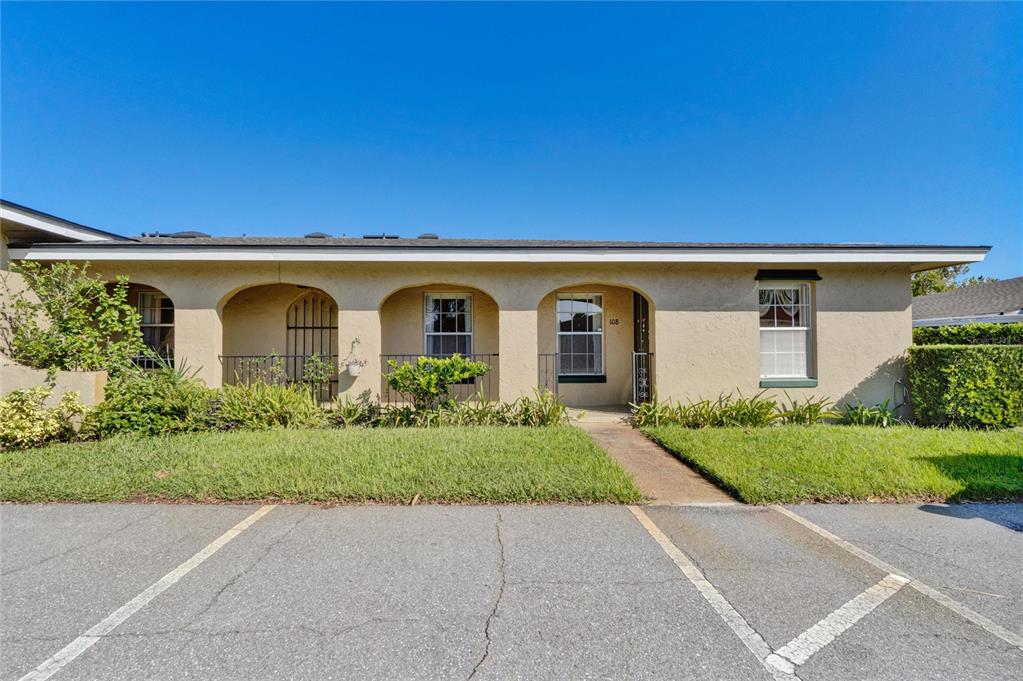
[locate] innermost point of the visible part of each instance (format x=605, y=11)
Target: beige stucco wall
x=255, y=319
x=705, y=322
x=88, y=384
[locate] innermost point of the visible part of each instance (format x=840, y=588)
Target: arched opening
x=156, y=322
x=439, y=320
x=282, y=333
x=595, y=344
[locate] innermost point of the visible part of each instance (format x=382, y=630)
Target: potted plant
x=351, y=362
x=354, y=366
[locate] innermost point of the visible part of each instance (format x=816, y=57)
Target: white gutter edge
x=597, y=255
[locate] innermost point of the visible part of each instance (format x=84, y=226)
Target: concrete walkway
x=661, y=477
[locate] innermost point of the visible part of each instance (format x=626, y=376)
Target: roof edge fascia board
x=52, y=224
x=917, y=257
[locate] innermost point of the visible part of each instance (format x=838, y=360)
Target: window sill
x=788, y=382
x=582, y=379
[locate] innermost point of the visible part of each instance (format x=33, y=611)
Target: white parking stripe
x=752, y=640
x=800, y=649
x=1010, y=637
x=87, y=640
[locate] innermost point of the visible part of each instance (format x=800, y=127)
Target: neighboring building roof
x=23, y=224
x=318, y=247
x=995, y=301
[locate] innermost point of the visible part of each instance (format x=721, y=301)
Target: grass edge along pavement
x=392, y=465
x=821, y=463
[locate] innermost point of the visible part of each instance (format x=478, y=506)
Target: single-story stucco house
x=600, y=322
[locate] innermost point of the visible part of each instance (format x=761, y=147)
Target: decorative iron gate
x=312, y=330
x=642, y=358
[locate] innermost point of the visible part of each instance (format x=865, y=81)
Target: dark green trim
x=788, y=382
x=788, y=275
x=582, y=379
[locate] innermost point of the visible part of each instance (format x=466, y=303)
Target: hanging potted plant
x=352, y=363
x=354, y=366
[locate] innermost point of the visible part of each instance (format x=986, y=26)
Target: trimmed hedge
x=970, y=334
x=977, y=386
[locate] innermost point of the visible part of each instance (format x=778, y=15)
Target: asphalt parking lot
x=458, y=592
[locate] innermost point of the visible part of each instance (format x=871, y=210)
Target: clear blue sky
x=876, y=122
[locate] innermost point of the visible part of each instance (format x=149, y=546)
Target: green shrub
x=807, y=411
x=361, y=411
x=749, y=412
x=151, y=402
x=259, y=406
x=25, y=422
x=976, y=386
x=75, y=321
x=859, y=414
x=543, y=409
x=970, y=334
x=427, y=382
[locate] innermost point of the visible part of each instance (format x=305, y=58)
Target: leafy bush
x=152, y=402
x=77, y=323
x=427, y=382
x=317, y=371
x=543, y=409
x=806, y=412
x=976, y=386
x=259, y=406
x=26, y=422
x=880, y=415
x=750, y=412
x=970, y=334
x=351, y=413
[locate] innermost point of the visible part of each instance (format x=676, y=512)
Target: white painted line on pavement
x=89, y=638
x=1010, y=637
x=752, y=640
x=801, y=648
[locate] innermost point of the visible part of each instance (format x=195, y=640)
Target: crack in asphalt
x=66, y=552
x=231, y=582
x=497, y=601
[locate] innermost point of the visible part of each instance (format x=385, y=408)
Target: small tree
x=428, y=381
x=945, y=279
x=74, y=321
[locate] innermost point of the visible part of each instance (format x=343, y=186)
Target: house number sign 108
x=613, y=322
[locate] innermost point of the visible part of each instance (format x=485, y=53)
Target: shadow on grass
x=984, y=477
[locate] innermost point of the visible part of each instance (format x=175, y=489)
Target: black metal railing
x=642, y=374
x=154, y=360
x=247, y=369
x=547, y=367
x=484, y=386
x=642, y=377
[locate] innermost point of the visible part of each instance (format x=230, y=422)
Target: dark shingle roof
x=991, y=298
x=242, y=241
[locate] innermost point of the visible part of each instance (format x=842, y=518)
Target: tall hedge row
x=970, y=334
x=977, y=386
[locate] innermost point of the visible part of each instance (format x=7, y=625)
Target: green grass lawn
x=846, y=463
x=384, y=464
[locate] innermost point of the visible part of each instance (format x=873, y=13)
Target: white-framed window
x=448, y=323
x=580, y=334
x=157, y=325
x=786, y=330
